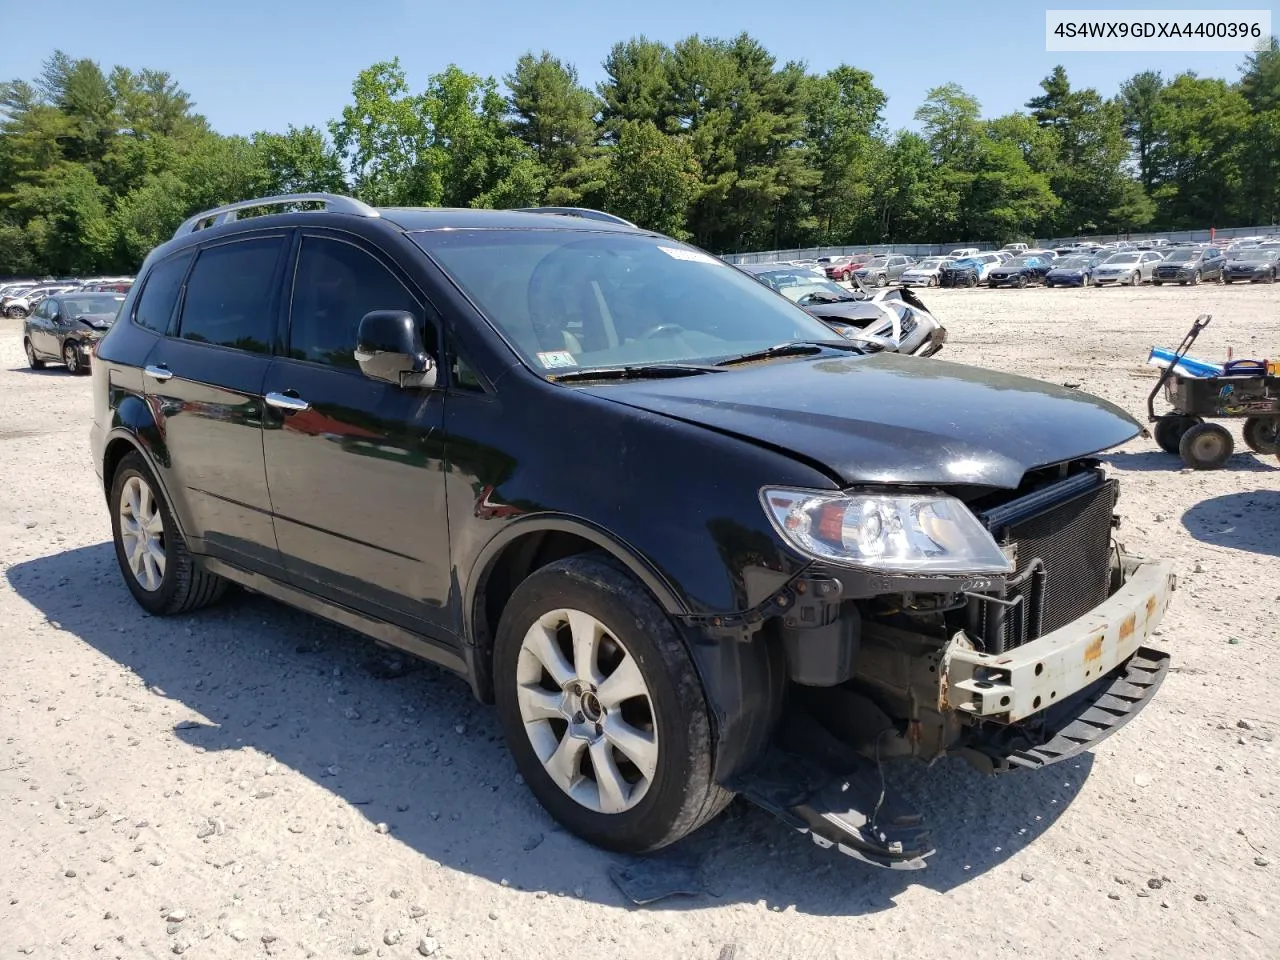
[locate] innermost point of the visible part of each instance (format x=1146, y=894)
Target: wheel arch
x=124, y=439
x=517, y=551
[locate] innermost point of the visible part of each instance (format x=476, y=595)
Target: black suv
x=692, y=542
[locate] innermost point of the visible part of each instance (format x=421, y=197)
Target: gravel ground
x=251, y=781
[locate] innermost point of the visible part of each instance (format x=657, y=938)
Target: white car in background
x=959, y=253
x=925, y=272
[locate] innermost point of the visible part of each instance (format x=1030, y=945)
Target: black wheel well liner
x=527, y=547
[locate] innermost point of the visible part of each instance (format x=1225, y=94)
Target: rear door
x=355, y=465
x=204, y=382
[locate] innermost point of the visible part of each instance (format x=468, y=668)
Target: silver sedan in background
x=1133, y=267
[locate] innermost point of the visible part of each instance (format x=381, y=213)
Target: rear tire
x=34, y=362
x=1262, y=434
x=1170, y=428
x=882, y=280
x=142, y=524
x=665, y=720
x=1226, y=279
x=1157, y=283
x=973, y=280
x=1206, y=446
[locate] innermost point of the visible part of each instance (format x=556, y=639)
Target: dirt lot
x=218, y=785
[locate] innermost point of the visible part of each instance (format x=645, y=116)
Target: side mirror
x=389, y=347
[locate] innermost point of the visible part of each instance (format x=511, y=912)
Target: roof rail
x=584, y=212
x=225, y=214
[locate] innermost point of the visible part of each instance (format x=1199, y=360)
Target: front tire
x=15, y=313
x=72, y=360
x=602, y=708
x=1195, y=278
x=34, y=362
x=151, y=552
x=1158, y=283
x=1206, y=446
x=1135, y=280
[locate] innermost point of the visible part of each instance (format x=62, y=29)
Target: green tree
x=745, y=123
x=556, y=118
x=385, y=139
x=300, y=160
x=1200, y=128
x=652, y=178
x=842, y=124
x=1139, y=96
x=1089, y=173
x=637, y=86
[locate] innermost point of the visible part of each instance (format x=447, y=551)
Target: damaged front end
x=1014, y=670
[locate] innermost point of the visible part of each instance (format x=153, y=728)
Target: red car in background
x=841, y=268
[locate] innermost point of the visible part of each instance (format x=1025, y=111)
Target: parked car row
x=18, y=298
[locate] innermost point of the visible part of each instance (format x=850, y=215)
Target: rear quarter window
x=160, y=293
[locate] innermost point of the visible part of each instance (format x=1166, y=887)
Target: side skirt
x=379, y=630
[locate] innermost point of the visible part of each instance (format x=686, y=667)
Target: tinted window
x=228, y=300
x=155, y=305
x=337, y=284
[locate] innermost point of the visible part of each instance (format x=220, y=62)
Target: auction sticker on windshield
x=557, y=359
x=695, y=256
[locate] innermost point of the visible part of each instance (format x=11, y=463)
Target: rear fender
x=133, y=422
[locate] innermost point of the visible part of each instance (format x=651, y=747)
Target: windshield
x=1072, y=263
x=573, y=299
x=969, y=262
x=1181, y=256
x=928, y=263
x=92, y=303
x=1270, y=253
x=1123, y=258
x=876, y=262
x=803, y=287
x=1024, y=262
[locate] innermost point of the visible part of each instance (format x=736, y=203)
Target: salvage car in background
x=1190, y=265
x=64, y=327
x=968, y=271
x=1071, y=271
x=1021, y=271
x=878, y=271
x=1132, y=267
x=1256, y=265
x=924, y=272
x=887, y=319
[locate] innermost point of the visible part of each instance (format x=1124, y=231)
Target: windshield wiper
x=636, y=371
x=794, y=348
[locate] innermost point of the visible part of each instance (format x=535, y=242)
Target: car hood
x=99, y=321
x=889, y=418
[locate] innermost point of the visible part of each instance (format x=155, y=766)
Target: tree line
x=711, y=140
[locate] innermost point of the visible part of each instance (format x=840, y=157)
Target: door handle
x=282, y=401
x=158, y=373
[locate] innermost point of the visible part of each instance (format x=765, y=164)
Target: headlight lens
x=889, y=533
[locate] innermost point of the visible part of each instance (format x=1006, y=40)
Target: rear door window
x=230, y=295
x=160, y=293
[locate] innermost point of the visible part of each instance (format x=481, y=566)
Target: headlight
x=889, y=533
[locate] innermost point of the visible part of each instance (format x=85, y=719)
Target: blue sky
x=263, y=64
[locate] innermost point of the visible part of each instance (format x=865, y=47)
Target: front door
x=354, y=464
x=204, y=384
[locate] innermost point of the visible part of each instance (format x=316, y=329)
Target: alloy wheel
x=71, y=357
x=142, y=533
x=587, y=711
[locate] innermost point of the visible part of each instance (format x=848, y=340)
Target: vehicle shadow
x=1242, y=461
x=413, y=749
x=56, y=370
x=1247, y=520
